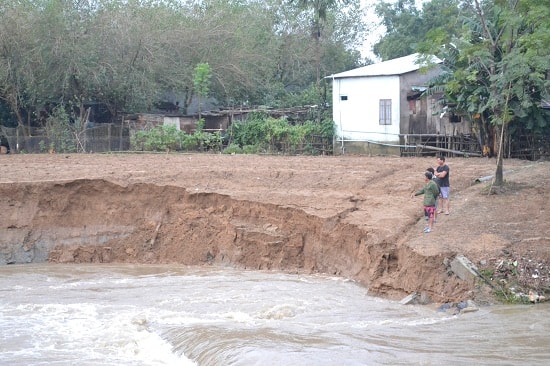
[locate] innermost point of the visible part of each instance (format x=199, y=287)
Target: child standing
x=436, y=180
x=431, y=192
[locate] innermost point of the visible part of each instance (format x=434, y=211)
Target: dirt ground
x=350, y=216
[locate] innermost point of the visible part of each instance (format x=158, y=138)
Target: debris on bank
x=507, y=274
x=467, y=306
x=519, y=278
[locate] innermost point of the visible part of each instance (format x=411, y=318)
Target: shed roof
x=396, y=66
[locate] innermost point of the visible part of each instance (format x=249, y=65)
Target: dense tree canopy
x=498, y=69
x=129, y=54
x=407, y=26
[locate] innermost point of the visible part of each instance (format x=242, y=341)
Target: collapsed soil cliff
x=348, y=216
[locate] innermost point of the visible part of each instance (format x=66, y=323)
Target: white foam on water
x=158, y=315
x=278, y=312
x=80, y=333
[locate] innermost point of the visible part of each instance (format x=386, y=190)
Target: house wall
x=145, y=121
x=357, y=118
x=417, y=117
x=426, y=117
x=417, y=123
x=442, y=125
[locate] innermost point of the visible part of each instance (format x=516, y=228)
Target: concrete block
x=409, y=299
x=463, y=268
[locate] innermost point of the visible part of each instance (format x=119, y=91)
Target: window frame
x=384, y=112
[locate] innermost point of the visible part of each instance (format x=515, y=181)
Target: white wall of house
x=357, y=118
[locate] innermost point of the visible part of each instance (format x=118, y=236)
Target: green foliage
x=201, y=82
x=253, y=149
x=188, y=142
x=233, y=148
x=410, y=30
x=213, y=141
x=487, y=273
x=202, y=79
x=127, y=55
x=60, y=132
x=497, y=69
x=42, y=146
x=169, y=138
x=261, y=133
x=160, y=138
x=309, y=96
x=403, y=24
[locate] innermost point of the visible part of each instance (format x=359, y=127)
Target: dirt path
x=350, y=216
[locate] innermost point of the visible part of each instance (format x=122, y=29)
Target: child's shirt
x=430, y=191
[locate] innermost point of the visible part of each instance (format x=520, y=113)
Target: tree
x=16, y=65
x=516, y=78
x=202, y=82
x=320, y=10
x=236, y=39
x=130, y=54
x=407, y=26
x=498, y=68
x=403, y=26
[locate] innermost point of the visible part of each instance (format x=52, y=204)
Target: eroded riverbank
x=346, y=216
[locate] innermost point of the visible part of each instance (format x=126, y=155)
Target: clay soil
x=350, y=216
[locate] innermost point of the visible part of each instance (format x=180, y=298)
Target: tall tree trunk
x=499, y=179
x=14, y=105
x=499, y=175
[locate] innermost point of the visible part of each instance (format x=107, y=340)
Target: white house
x=376, y=105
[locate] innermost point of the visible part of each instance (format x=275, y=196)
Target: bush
x=233, y=148
x=259, y=134
x=189, y=142
x=60, y=132
x=160, y=138
x=169, y=138
x=262, y=133
x=213, y=141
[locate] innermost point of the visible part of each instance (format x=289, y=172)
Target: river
x=178, y=315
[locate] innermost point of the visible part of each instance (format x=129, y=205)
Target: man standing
x=431, y=170
x=442, y=174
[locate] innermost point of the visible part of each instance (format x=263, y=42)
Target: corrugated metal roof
x=397, y=66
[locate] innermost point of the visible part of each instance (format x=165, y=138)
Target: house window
x=343, y=97
x=385, y=112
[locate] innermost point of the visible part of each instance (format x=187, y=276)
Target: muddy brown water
x=181, y=315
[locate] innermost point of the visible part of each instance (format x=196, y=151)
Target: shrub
x=233, y=148
x=277, y=135
x=160, y=138
x=60, y=132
